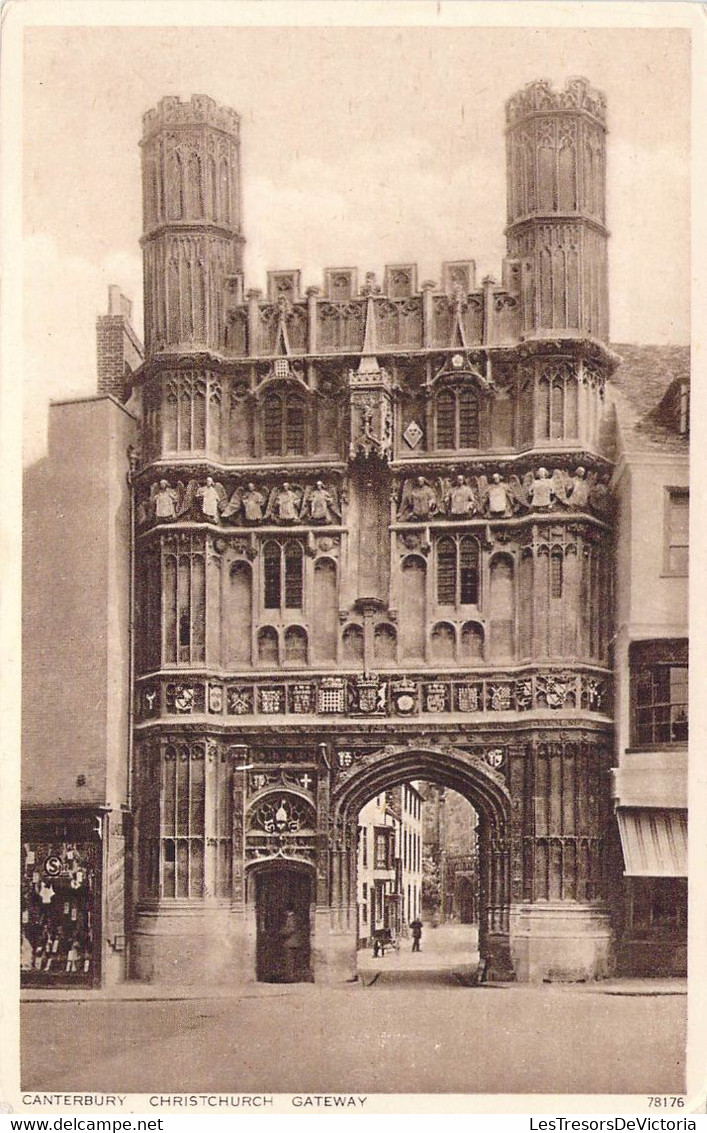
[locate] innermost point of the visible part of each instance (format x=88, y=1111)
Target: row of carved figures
x=287, y=503
x=465, y=497
x=461, y=498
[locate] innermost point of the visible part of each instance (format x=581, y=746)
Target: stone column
x=334, y=942
x=560, y=930
x=427, y=312
x=242, y=904
x=312, y=293
x=254, y=295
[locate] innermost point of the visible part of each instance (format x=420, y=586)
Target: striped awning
x=654, y=842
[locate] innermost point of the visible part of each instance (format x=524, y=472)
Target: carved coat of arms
x=184, y=698
x=240, y=701
x=468, y=698
x=215, y=698
x=371, y=695
x=436, y=697
x=404, y=696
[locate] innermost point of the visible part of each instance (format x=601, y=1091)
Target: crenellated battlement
x=400, y=281
x=200, y=110
x=539, y=97
x=346, y=316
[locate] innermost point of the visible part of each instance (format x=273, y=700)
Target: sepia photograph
x=356, y=369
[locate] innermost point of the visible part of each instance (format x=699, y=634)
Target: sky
x=360, y=146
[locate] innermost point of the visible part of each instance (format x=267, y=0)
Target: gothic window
x=181, y=830
x=659, y=693
x=557, y=405
x=183, y=821
x=283, y=423
x=456, y=418
x=184, y=608
x=283, y=575
x=271, y=576
x=294, y=563
x=446, y=572
x=457, y=571
x=296, y=645
x=192, y=413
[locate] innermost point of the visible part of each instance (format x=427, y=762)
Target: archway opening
x=385, y=793
x=417, y=885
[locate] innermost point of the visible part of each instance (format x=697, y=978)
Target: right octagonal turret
x=556, y=155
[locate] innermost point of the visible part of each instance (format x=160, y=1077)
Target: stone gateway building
x=366, y=537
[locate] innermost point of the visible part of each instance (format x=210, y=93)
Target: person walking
x=416, y=927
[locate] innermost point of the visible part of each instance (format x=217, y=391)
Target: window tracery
x=283, y=575
x=283, y=421
x=457, y=571
x=456, y=411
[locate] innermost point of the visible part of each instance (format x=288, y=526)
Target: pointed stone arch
x=447, y=766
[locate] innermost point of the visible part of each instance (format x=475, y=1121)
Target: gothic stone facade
x=373, y=545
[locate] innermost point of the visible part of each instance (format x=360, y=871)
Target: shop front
x=61, y=899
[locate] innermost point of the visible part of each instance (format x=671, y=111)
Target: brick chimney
x=119, y=350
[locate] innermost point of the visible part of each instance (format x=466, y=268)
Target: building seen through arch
x=324, y=543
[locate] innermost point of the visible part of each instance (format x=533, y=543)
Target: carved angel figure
x=253, y=503
x=578, y=489
x=497, y=497
x=213, y=498
x=320, y=504
x=284, y=504
x=542, y=489
x=418, y=500
x=248, y=501
x=164, y=501
x=460, y=499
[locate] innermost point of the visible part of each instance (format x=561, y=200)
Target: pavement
x=410, y=1024
x=398, y=1038
x=448, y=957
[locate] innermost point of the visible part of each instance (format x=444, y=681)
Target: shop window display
x=60, y=934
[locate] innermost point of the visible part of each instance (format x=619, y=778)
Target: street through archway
x=448, y=957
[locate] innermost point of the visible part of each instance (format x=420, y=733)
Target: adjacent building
x=651, y=397
x=325, y=541
x=450, y=856
x=389, y=865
